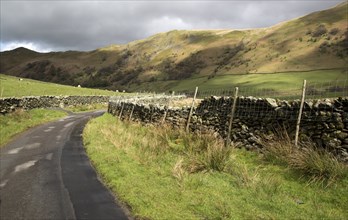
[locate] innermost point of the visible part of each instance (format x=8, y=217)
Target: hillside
x=161, y=62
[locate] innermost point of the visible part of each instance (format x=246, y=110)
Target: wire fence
x=270, y=103
x=332, y=89
x=257, y=102
x=319, y=102
x=321, y=108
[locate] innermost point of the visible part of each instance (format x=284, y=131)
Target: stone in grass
x=299, y=201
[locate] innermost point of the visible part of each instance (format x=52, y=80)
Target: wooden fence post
x=228, y=140
x=116, y=106
x=165, y=115
x=120, y=115
x=151, y=113
x=166, y=108
x=300, y=112
x=190, y=114
x=131, y=114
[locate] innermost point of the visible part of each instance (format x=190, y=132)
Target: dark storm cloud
x=86, y=25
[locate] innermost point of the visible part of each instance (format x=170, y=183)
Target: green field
x=325, y=82
x=275, y=81
x=19, y=121
x=14, y=87
x=87, y=108
x=164, y=174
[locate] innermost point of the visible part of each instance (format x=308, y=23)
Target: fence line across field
x=299, y=103
x=338, y=88
x=305, y=98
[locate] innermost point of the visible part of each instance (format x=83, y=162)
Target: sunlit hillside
x=318, y=41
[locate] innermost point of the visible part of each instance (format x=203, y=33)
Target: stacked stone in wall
x=325, y=122
x=8, y=105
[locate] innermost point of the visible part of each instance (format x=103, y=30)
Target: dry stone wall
x=324, y=122
x=8, y=105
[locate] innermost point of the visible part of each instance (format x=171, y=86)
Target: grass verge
x=164, y=174
x=87, y=108
x=19, y=121
x=317, y=165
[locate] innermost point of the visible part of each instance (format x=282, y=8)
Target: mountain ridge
x=312, y=42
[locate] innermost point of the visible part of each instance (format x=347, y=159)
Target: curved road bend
x=45, y=174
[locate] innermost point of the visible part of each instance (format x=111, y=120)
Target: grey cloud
x=86, y=25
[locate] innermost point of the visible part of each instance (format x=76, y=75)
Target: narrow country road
x=45, y=174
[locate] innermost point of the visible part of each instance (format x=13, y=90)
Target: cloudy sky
x=86, y=25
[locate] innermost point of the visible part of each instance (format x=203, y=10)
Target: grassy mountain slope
x=166, y=60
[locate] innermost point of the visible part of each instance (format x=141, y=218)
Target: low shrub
x=334, y=31
x=319, y=31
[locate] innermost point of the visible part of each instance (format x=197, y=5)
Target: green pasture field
x=272, y=81
x=14, y=87
x=19, y=121
x=324, y=83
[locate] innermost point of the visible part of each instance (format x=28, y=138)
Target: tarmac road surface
x=45, y=174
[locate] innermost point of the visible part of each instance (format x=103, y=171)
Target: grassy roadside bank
x=87, y=108
x=163, y=174
x=20, y=121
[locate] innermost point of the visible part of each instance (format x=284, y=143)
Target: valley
x=314, y=47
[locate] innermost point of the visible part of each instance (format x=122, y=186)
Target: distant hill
x=313, y=42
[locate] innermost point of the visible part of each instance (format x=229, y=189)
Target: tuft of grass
x=279, y=149
x=318, y=165
x=20, y=120
x=201, y=152
x=179, y=171
x=244, y=177
x=146, y=167
x=209, y=154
